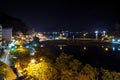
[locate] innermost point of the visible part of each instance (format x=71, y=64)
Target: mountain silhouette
x=11, y=22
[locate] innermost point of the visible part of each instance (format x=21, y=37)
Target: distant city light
x=118, y=40
x=42, y=45
x=35, y=45
x=113, y=40
x=27, y=46
x=21, y=46
x=96, y=32
x=119, y=48
x=56, y=38
x=15, y=47
x=11, y=45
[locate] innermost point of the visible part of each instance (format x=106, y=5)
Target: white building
x=0, y=34
x=7, y=34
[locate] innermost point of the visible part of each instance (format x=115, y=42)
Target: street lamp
x=104, y=32
x=41, y=59
x=84, y=35
x=96, y=34
x=33, y=61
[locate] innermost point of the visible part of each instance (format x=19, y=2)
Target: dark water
x=106, y=56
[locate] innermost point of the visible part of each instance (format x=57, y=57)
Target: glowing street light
x=41, y=59
x=84, y=48
x=96, y=33
x=84, y=35
x=60, y=47
x=106, y=49
x=33, y=61
x=104, y=32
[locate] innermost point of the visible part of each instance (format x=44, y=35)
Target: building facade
x=7, y=34
x=0, y=34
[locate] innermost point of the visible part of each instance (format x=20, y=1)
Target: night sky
x=63, y=15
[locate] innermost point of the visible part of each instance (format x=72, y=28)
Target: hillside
x=11, y=22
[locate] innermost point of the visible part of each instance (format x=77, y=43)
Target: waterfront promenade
x=74, y=42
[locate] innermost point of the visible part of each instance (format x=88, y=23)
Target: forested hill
x=11, y=22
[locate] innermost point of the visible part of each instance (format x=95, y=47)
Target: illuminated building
x=7, y=34
x=0, y=34
x=96, y=34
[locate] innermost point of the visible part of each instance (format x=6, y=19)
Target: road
x=6, y=56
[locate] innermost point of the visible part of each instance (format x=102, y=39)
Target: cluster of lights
x=113, y=48
x=34, y=61
x=116, y=48
x=116, y=41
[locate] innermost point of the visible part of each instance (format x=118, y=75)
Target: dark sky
x=63, y=15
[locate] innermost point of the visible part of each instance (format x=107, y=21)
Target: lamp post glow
x=41, y=59
x=96, y=33
x=33, y=61
x=104, y=32
x=84, y=35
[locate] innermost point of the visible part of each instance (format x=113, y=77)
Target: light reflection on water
x=119, y=48
x=84, y=48
x=106, y=48
x=106, y=56
x=112, y=48
x=115, y=48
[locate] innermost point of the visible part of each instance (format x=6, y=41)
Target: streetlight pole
x=84, y=35
x=96, y=34
x=104, y=33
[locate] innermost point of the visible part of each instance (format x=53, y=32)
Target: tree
x=63, y=61
x=76, y=65
x=44, y=52
x=88, y=73
x=67, y=74
x=19, y=52
x=107, y=75
x=115, y=75
x=19, y=43
x=20, y=57
x=6, y=72
x=3, y=69
x=40, y=71
x=65, y=67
